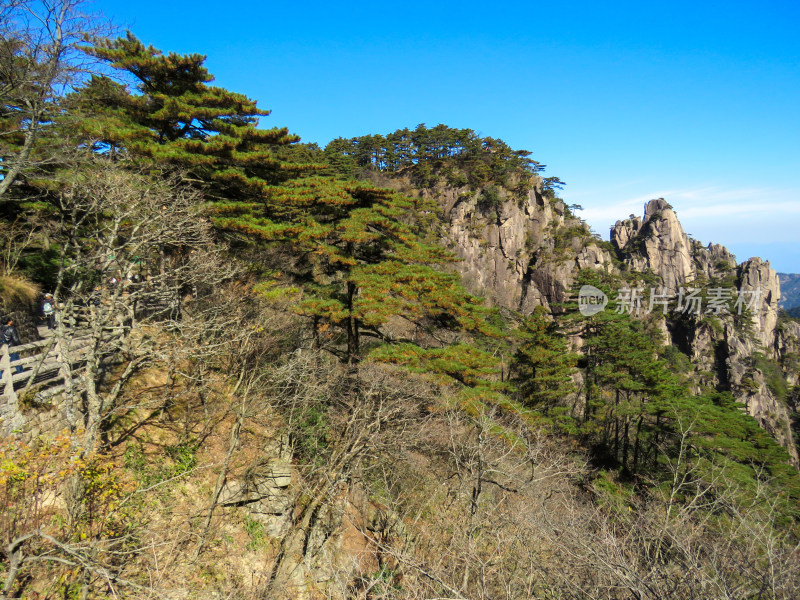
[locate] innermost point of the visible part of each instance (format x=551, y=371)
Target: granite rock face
x=738, y=366
x=789, y=353
x=264, y=489
x=519, y=253
x=730, y=348
x=760, y=283
x=525, y=253
x=712, y=261
x=657, y=243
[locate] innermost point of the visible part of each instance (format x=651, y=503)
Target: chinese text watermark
x=687, y=300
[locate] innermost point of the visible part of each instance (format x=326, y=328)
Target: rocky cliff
x=521, y=252
x=734, y=336
x=518, y=252
x=739, y=345
x=656, y=242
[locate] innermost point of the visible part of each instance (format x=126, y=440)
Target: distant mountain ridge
x=790, y=290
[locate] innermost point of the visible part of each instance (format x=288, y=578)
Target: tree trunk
x=352, y=326
x=27, y=146
x=636, y=444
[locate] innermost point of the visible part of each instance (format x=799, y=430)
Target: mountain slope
x=790, y=290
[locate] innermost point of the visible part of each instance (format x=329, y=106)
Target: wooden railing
x=45, y=362
x=47, y=365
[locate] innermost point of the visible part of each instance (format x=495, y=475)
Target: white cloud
x=770, y=210
x=711, y=213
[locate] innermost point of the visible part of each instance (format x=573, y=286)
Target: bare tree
x=457, y=515
x=693, y=535
x=134, y=252
x=166, y=311
x=40, y=59
x=343, y=425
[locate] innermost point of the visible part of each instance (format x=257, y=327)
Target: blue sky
x=697, y=102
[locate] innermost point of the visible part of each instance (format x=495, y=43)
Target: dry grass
x=16, y=291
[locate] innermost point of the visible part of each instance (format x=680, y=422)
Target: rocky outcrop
x=264, y=488
x=521, y=252
x=757, y=281
x=623, y=232
x=713, y=261
x=729, y=348
x=657, y=243
x=743, y=374
x=789, y=351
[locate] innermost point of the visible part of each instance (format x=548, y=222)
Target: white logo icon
x=591, y=300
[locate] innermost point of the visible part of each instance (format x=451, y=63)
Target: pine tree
x=459, y=155
x=363, y=262
x=357, y=250
x=364, y=259
x=177, y=119
x=543, y=365
x=641, y=415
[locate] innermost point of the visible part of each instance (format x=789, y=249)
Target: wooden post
x=65, y=371
x=5, y=366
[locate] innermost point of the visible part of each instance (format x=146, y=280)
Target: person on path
x=49, y=310
x=10, y=336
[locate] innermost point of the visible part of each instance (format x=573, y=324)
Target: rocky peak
x=624, y=231
x=760, y=282
x=657, y=243
x=525, y=251
x=654, y=207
